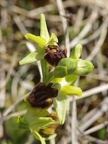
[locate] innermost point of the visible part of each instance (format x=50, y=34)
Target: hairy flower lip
x=41, y=96
x=54, y=55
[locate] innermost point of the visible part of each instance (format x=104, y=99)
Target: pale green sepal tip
x=53, y=40
x=71, y=90
x=43, y=28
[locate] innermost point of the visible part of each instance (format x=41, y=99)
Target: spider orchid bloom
x=41, y=41
x=54, y=54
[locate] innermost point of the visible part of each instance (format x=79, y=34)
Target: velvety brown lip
x=54, y=55
x=41, y=96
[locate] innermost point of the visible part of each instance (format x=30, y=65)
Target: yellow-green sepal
x=71, y=90
x=41, y=42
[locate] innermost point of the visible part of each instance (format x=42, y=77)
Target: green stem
x=45, y=70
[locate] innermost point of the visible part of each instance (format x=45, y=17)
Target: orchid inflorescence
x=56, y=85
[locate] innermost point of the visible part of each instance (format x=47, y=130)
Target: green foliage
x=14, y=134
x=102, y=133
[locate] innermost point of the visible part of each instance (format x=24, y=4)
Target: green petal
x=53, y=40
x=38, y=136
x=37, y=118
x=41, y=42
x=43, y=28
x=60, y=106
x=38, y=123
x=34, y=112
x=33, y=57
x=29, y=58
x=71, y=90
x=18, y=122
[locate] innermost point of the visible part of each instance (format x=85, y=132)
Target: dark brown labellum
x=54, y=55
x=41, y=96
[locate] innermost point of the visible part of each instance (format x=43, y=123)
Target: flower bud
x=69, y=63
x=60, y=71
x=84, y=67
x=66, y=66
x=76, y=51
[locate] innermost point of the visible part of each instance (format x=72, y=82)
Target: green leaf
x=60, y=106
x=18, y=122
x=76, y=51
x=23, y=123
x=14, y=122
x=43, y=28
x=29, y=58
x=38, y=136
x=41, y=42
x=71, y=79
x=71, y=90
x=102, y=133
x=38, y=123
